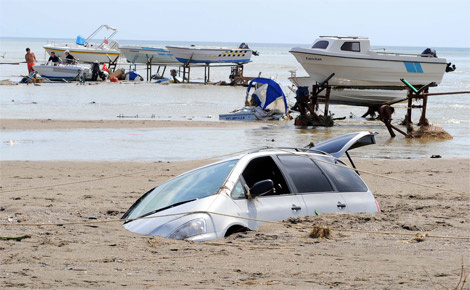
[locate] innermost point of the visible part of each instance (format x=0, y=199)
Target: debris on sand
x=431, y=132
x=8, y=83
x=18, y=239
x=420, y=237
x=320, y=233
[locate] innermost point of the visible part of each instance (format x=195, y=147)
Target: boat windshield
x=322, y=44
x=193, y=185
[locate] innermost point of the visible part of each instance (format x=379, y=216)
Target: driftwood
x=18, y=239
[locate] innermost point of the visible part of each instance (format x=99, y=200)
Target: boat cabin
x=343, y=44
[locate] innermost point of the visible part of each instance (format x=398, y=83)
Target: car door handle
x=341, y=205
x=296, y=207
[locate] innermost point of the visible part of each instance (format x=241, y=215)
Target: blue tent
x=269, y=95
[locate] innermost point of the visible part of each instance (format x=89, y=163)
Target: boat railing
x=399, y=53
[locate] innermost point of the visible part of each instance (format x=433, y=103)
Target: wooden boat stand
x=308, y=106
x=386, y=111
x=112, y=64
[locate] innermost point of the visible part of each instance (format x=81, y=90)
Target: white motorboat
x=147, y=54
x=210, y=54
x=86, y=51
x=63, y=72
x=355, y=64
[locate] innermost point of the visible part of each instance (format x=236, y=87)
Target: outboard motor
x=429, y=52
x=95, y=71
x=243, y=46
x=450, y=67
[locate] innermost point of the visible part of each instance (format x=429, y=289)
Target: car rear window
x=343, y=178
x=305, y=174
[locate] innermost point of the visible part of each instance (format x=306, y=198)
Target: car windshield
x=192, y=185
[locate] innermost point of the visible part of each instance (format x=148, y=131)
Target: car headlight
x=192, y=228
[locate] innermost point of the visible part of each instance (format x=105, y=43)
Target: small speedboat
x=63, y=72
x=147, y=54
x=86, y=51
x=267, y=102
x=355, y=64
x=210, y=54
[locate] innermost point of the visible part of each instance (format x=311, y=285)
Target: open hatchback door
x=340, y=145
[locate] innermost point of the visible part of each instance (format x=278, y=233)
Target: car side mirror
x=261, y=188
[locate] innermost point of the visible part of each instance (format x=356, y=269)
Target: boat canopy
x=269, y=95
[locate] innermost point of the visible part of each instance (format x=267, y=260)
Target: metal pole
x=208, y=73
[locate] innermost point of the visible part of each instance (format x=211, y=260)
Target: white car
x=268, y=184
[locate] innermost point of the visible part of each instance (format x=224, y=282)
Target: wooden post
x=408, y=111
x=422, y=120
x=327, y=102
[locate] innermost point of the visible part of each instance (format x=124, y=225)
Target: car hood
x=339, y=145
x=157, y=222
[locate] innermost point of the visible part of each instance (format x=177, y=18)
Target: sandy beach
x=105, y=255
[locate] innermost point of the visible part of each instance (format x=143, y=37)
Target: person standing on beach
x=30, y=59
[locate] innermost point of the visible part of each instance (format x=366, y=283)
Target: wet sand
x=55, y=124
x=275, y=257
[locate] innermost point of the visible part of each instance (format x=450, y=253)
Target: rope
x=221, y=214
x=104, y=178
x=75, y=182
x=372, y=173
x=226, y=215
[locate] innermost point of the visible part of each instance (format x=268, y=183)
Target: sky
x=430, y=23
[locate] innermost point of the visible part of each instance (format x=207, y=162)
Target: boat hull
x=85, y=54
x=62, y=72
x=355, y=97
x=145, y=54
x=207, y=55
x=369, y=70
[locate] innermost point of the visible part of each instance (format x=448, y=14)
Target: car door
x=312, y=185
x=277, y=205
x=347, y=182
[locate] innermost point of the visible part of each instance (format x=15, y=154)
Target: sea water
x=197, y=102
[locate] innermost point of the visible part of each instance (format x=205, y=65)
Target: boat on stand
x=147, y=54
x=361, y=76
x=355, y=64
x=87, y=51
x=211, y=54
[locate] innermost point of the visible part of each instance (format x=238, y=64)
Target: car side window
x=238, y=191
x=305, y=174
x=263, y=168
x=344, y=178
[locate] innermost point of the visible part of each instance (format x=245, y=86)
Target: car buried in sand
x=241, y=193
